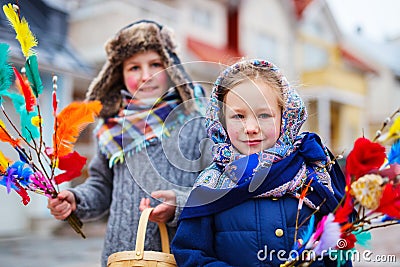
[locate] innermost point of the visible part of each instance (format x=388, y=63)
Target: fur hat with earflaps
x=137, y=37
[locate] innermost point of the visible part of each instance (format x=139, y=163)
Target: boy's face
x=252, y=116
x=144, y=75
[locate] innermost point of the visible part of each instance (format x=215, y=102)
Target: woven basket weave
x=139, y=257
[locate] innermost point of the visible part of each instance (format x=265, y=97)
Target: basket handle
x=141, y=234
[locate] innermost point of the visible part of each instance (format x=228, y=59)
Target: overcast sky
x=379, y=19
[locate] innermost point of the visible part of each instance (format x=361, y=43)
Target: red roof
x=210, y=53
x=356, y=61
x=300, y=6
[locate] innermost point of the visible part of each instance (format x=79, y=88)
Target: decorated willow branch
x=39, y=168
x=371, y=200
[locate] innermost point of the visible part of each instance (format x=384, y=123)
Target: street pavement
x=65, y=248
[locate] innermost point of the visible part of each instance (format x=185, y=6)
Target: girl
x=148, y=139
x=243, y=208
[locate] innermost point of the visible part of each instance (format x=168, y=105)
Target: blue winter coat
x=230, y=239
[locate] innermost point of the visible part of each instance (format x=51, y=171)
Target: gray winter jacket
x=171, y=163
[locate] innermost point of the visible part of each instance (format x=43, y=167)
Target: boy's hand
x=163, y=212
x=62, y=206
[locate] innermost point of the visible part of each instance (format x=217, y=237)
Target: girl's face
x=252, y=116
x=144, y=75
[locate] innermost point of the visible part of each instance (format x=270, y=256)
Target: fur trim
x=137, y=37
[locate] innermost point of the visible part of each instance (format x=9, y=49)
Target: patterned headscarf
x=224, y=172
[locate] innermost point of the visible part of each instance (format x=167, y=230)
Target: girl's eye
x=237, y=116
x=264, y=116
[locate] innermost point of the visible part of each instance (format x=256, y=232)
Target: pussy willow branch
x=380, y=226
x=40, y=127
x=38, y=155
x=315, y=211
x=325, y=166
x=384, y=124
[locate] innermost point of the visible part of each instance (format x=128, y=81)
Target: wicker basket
x=139, y=257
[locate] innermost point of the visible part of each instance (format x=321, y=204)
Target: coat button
x=279, y=232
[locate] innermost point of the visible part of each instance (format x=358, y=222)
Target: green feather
x=27, y=129
x=32, y=71
x=5, y=69
x=363, y=239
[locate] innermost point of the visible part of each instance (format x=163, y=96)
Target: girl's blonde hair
x=249, y=72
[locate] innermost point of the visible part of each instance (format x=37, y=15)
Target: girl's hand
x=62, y=206
x=163, y=212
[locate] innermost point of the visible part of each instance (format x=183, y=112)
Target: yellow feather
x=2, y=125
x=3, y=162
x=24, y=35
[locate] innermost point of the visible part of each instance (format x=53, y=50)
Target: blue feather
x=310, y=229
x=305, y=235
x=394, y=154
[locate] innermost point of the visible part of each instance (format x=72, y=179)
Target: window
x=314, y=57
x=201, y=17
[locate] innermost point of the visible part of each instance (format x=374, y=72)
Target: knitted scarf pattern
x=138, y=125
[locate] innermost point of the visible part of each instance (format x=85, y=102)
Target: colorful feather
x=394, y=154
x=41, y=184
x=4, y=163
x=23, y=34
x=72, y=164
x=363, y=239
x=308, y=232
x=32, y=72
x=22, y=192
x=28, y=130
x=390, y=201
x=5, y=69
x=70, y=122
x=394, y=131
x=343, y=212
x=305, y=236
x=330, y=235
x=54, y=102
x=26, y=90
x=5, y=136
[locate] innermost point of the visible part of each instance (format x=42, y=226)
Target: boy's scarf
x=274, y=172
x=138, y=125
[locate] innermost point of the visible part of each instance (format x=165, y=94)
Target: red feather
x=72, y=164
x=22, y=192
x=390, y=201
x=26, y=90
x=55, y=102
x=343, y=212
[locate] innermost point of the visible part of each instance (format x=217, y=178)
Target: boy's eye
x=134, y=68
x=157, y=65
x=264, y=116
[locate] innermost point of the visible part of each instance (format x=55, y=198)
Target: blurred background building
x=349, y=83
